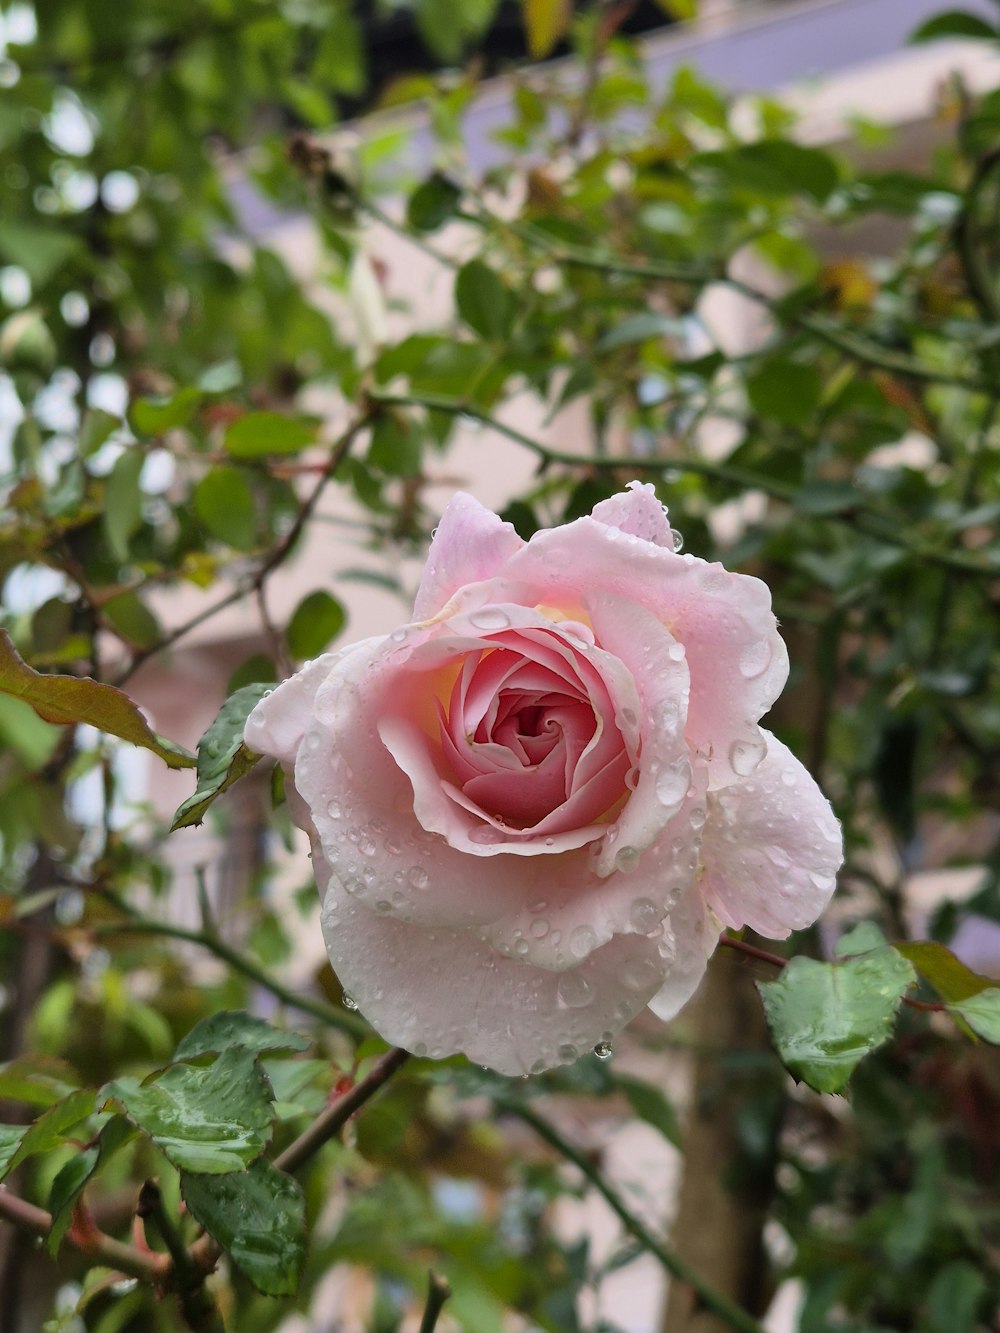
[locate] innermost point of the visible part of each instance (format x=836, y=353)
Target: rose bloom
x=534, y=807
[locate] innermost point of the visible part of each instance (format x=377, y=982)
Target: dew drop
x=641, y=974
x=778, y=856
x=538, y=906
x=567, y=1053
x=603, y=1050
x=627, y=859
x=539, y=928
x=486, y=835
x=672, y=782
x=787, y=777
x=746, y=755
x=521, y=947
x=676, y=652
x=398, y=635
x=697, y=817
x=349, y=1001
x=574, y=991
x=490, y=617
x=755, y=659
x=632, y=778
x=418, y=877
x=582, y=942
x=645, y=916
x=677, y=540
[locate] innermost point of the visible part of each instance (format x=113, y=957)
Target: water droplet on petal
x=567, y=1053
x=334, y=810
x=418, y=877
x=677, y=540
x=627, y=859
x=672, y=782
x=349, y=1001
x=490, y=617
x=756, y=658
x=486, y=835
x=641, y=974
x=539, y=928
x=676, y=652
x=645, y=916
x=746, y=755
x=582, y=942
x=603, y=1050
x=574, y=991
x=788, y=777
x=521, y=947
x=778, y=857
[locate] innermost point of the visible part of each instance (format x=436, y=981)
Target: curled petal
x=471, y=543
x=772, y=848
x=637, y=511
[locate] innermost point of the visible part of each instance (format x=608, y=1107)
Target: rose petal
x=441, y=991
x=692, y=939
x=736, y=657
x=772, y=848
x=638, y=512
x=278, y=722
x=471, y=543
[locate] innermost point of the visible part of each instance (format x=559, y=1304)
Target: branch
x=720, y=1305
x=331, y=1121
x=94, y=1243
x=875, y=525
x=438, y=1292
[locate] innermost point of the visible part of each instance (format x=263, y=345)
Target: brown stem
x=332, y=1120
x=91, y=1241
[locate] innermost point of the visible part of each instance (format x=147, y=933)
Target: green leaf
x=67, y=1187
x=153, y=416
x=947, y=974
x=236, y=1028
x=678, y=9
x=260, y=433
x=316, y=620
x=258, y=1217
x=210, y=1120
x=484, y=301
x=433, y=203
x=545, y=22
x=133, y=619
x=825, y=1017
x=395, y=447
x=36, y=1080
x=123, y=502
x=24, y=733
x=223, y=377
x=225, y=505
x=651, y=1105
x=40, y=251
x=10, y=1141
x=775, y=167
x=222, y=756
x=67, y=700
x=50, y=1129
x=955, y=1298
x=785, y=391
x=982, y=1013
x=640, y=328
x=96, y=428
x=954, y=23
x=825, y=497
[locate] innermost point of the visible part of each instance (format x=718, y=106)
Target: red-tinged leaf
x=69, y=700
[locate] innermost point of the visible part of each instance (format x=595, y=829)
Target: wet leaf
x=236, y=1028
x=222, y=757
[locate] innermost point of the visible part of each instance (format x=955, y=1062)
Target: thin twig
x=94, y=1243
x=715, y=1301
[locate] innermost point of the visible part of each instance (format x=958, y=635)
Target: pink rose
x=533, y=808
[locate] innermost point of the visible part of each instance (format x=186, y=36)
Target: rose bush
x=533, y=808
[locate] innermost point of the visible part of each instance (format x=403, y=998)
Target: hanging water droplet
x=677, y=539
x=349, y=1001
x=603, y=1050
x=418, y=877
x=490, y=618
x=574, y=991
x=746, y=755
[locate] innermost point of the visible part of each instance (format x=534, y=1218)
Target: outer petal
x=471, y=543
x=689, y=939
x=737, y=659
x=440, y=991
x=637, y=511
x=277, y=724
x=772, y=848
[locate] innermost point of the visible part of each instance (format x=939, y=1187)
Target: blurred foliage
x=175, y=401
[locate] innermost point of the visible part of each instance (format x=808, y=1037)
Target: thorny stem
x=438, y=1292
x=713, y=1300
